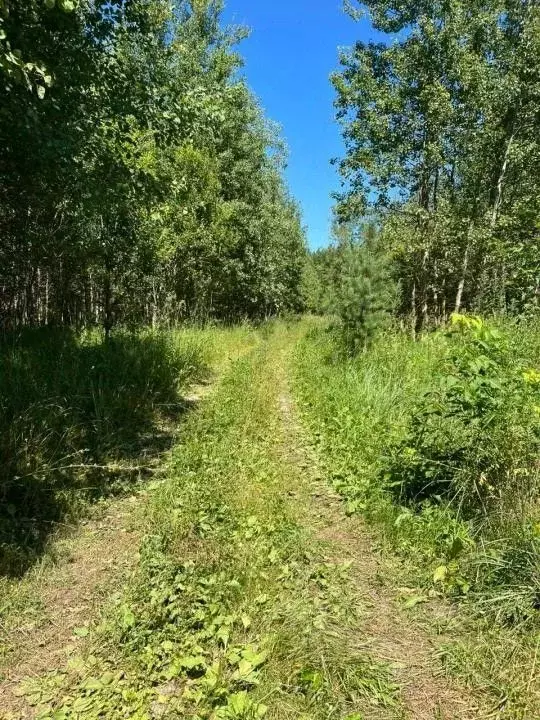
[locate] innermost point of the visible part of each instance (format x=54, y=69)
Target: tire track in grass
x=387, y=632
x=94, y=559
x=250, y=598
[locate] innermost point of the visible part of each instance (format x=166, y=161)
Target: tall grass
x=371, y=419
x=76, y=412
x=440, y=452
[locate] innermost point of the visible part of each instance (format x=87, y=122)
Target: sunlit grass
x=357, y=410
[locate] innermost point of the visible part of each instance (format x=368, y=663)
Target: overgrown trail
x=253, y=595
x=384, y=629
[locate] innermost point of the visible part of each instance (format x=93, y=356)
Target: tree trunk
x=154, y=304
x=464, y=268
x=423, y=316
x=107, y=306
x=413, y=309
x=500, y=182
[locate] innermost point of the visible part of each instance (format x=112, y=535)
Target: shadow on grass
x=79, y=419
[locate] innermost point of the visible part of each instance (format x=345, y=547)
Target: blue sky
x=292, y=50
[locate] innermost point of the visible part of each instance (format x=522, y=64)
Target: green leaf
x=440, y=574
x=107, y=678
x=128, y=618
x=223, y=635
x=82, y=704
x=239, y=703
x=93, y=684
x=245, y=668
x=255, y=658
x=246, y=621
x=414, y=600
x=192, y=661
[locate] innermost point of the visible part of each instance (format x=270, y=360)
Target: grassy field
x=76, y=413
x=271, y=566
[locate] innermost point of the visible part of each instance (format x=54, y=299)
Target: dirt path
x=389, y=633
x=93, y=561
x=103, y=553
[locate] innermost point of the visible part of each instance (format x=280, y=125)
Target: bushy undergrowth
x=438, y=441
x=474, y=437
x=75, y=412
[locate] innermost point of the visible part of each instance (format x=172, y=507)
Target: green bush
x=475, y=437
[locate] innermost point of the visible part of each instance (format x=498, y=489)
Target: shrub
x=475, y=437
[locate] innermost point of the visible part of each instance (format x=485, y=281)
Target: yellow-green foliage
x=475, y=436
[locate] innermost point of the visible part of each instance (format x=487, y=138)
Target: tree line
x=441, y=121
x=139, y=178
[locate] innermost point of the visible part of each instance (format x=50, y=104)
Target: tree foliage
x=139, y=179
x=351, y=280
x=441, y=125
x=364, y=295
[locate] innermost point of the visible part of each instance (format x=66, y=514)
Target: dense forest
x=441, y=125
x=139, y=179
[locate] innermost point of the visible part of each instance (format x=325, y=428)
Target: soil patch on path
x=93, y=561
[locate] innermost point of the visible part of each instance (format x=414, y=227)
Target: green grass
x=237, y=610
x=234, y=610
x=358, y=411
x=80, y=418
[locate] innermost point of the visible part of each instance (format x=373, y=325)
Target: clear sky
x=292, y=50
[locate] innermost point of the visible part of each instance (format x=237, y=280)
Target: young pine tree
x=365, y=294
